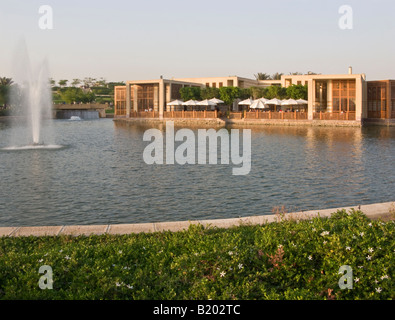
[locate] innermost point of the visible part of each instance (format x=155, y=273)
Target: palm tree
x=4, y=81
x=262, y=76
x=277, y=76
x=76, y=82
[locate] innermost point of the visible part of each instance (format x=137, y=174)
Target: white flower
x=310, y=257
x=67, y=257
x=370, y=224
x=120, y=251
x=222, y=274
x=378, y=290
x=348, y=248
x=325, y=233
x=41, y=260
x=240, y=266
x=368, y=258
x=129, y=286
x=356, y=279
x=117, y=284
x=230, y=268
x=230, y=253
x=370, y=250
x=361, y=234
x=324, y=242
x=384, y=277
x=60, y=250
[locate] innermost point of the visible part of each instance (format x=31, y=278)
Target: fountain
x=32, y=102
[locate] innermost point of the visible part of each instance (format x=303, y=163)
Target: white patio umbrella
x=190, y=103
x=216, y=101
x=274, y=101
x=175, y=103
x=302, y=101
x=246, y=102
x=206, y=103
x=264, y=100
x=258, y=104
x=289, y=102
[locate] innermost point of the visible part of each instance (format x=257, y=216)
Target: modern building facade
x=330, y=97
x=381, y=99
x=340, y=93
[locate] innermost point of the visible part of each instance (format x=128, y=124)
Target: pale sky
x=136, y=40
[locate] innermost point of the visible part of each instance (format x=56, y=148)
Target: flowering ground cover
x=281, y=260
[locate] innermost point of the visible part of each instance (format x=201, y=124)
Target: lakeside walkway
x=385, y=211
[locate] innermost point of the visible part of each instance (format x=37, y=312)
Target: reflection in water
x=101, y=177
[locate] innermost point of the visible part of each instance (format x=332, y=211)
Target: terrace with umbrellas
x=250, y=109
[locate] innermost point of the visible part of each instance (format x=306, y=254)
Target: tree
x=76, y=82
x=89, y=82
x=209, y=93
x=262, y=76
x=5, y=89
x=101, y=83
x=63, y=83
x=52, y=82
x=190, y=93
x=245, y=93
x=275, y=92
x=277, y=76
x=229, y=94
x=77, y=95
x=295, y=73
x=297, y=91
x=257, y=92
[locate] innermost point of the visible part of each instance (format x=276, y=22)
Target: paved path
x=385, y=211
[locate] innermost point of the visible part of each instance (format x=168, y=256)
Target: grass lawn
x=282, y=260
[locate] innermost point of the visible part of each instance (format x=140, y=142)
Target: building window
x=321, y=96
x=214, y=84
x=175, y=91
x=207, y=85
x=230, y=83
x=221, y=85
x=299, y=83
x=377, y=100
x=343, y=96
x=145, y=97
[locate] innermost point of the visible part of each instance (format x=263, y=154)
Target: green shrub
x=285, y=260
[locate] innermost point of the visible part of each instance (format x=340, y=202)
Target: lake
x=99, y=176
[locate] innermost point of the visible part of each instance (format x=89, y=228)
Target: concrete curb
x=373, y=211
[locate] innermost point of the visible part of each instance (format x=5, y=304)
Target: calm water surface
x=100, y=176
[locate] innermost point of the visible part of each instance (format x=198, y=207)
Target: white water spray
x=32, y=101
